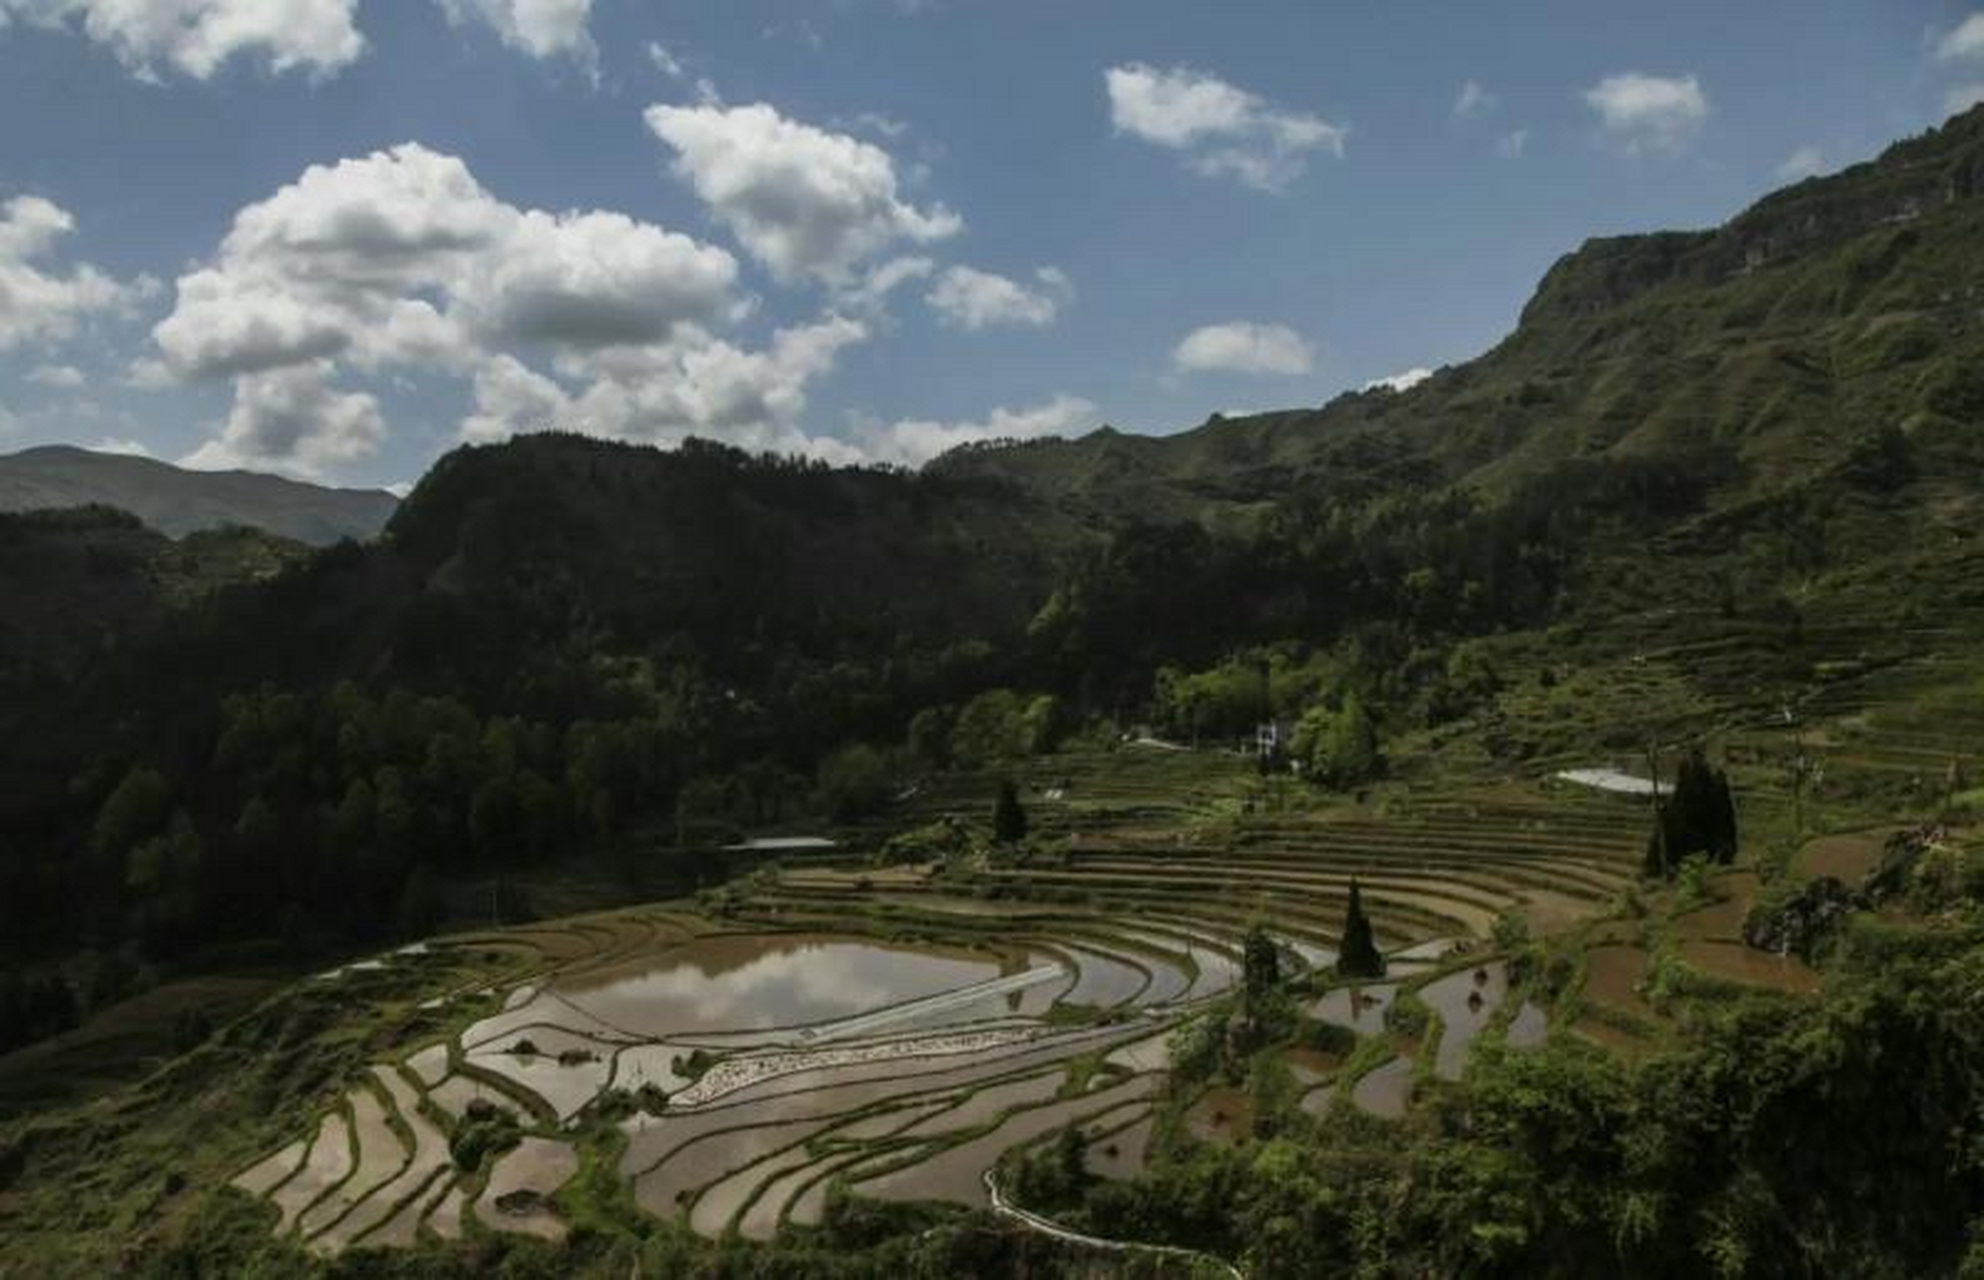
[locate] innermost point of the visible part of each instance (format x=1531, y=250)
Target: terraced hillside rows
x=895, y=1030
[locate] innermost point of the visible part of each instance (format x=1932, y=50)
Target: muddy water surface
x=1359, y=1009
x=1385, y=1090
x=1465, y=1002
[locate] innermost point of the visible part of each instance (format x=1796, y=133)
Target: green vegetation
x=1564, y=1161
x=485, y=1131
x=178, y=503
x=1715, y=495
x=1338, y=749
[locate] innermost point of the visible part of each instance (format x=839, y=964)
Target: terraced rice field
x=1385, y=1090
x=1734, y=962
x=1849, y=857
x=899, y=1030
x=1465, y=1001
x=1614, y=975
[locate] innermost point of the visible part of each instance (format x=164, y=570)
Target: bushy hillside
x=1794, y=338
x=77, y=579
x=1724, y=463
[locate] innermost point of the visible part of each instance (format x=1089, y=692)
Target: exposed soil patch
x=1848, y=857
x=1612, y=978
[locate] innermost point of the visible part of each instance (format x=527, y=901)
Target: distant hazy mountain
x=177, y=502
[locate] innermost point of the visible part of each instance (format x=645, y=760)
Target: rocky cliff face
x=1909, y=180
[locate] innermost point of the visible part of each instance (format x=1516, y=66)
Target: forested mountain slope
x=1785, y=343
x=563, y=644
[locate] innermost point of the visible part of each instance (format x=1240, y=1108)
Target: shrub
x=1510, y=932
x=853, y=783
x=485, y=1130
x=1339, y=749
x=1008, y=818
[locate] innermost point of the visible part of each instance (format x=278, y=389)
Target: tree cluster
x=1697, y=817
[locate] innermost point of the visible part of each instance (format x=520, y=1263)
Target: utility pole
x=1799, y=768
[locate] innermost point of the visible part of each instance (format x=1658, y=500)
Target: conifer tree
x=1359, y=956
x=1008, y=818
x=1699, y=817
x=1261, y=966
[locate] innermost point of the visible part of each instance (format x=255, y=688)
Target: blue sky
x=336, y=237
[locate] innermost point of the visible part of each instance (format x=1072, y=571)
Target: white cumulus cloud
x=663, y=395
x=972, y=299
x=1404, y=380
x=913, y=442
x=804, y=201
x=1222, y=129
x=1243, y=346
x=402, y=261
x=402, y=257
x=39, y=304
x=196, y=37
x=293, y=420
x=540, y=28
x=1963, y=42
x=1641, y=114
x=872, y=291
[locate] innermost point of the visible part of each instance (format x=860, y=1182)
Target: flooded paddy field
x=1735, y=962
x=738, y=982
x=1384, y=1090
x=1465, y=1001
x=900, y=1030
x=753, y=1065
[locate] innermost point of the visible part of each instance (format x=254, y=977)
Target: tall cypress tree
x=1359, y=956
x=1008, y=818
x=1722, y=826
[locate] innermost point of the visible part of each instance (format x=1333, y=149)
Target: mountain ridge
x=1603, y=340
x=177, y=502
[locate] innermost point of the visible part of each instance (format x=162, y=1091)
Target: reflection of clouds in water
x=810, y=983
